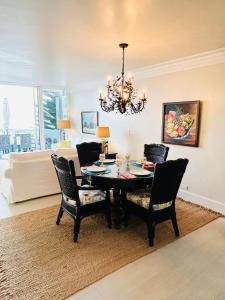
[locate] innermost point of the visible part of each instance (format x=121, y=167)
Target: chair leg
x=60, y=214
x=175, y=226
x=76, y=229
x=151, y=233
x=108, y=210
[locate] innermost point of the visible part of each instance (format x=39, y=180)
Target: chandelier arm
x=117, y=80
x=106, y=108
x=139, y=106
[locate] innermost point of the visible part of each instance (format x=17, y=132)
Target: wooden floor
x=192, y=267
x=8, y=210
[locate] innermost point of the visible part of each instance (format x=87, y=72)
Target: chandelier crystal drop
x=121, y=94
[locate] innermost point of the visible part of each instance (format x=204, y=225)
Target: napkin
x=127, y=175
x=149, y=166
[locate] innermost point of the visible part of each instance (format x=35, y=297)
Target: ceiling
x=58, y=41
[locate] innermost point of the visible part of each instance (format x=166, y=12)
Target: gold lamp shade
x=64, y=124
x=102, y=132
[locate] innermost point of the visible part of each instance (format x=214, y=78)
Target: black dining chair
x=158, y=204
x=79, y=201
x=88, y=152
x=156, y=153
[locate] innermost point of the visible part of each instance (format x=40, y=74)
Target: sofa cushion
x=22, y=156
x=66, y=152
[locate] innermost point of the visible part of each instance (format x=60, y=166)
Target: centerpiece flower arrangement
x=178, y=124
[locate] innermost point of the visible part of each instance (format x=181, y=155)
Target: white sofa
x=32, y=174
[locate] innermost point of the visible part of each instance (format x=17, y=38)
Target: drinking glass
x=127, y=157
x=118, y=164
x=102, y=158
x=143, y=161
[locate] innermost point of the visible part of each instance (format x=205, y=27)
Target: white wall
x=205, y=175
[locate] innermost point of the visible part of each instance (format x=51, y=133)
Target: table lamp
x=102, y=132
x=63, y=125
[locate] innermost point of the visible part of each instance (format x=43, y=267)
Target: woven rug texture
x=39, y=260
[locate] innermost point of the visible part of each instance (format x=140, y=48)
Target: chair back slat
x=156, y=153
x=88, y=152
x=167, y=180
x=66, y=176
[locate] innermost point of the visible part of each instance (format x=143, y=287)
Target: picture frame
x=181, y=123
x=89, y=122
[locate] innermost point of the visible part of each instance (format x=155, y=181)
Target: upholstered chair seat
x=139, y=197
x=87, y=196
x=143, y=198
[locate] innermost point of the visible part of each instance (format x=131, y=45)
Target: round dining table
x=113, y=179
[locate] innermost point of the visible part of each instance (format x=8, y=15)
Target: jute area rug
x=38, y=260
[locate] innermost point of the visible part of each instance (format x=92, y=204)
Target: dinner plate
x=108, y=161
x=95, y=169
x=140, y=172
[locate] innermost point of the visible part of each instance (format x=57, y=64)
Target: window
x=28, y=118
x=19, y=129
x=52, y=112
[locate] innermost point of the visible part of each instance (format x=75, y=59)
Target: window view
x=52, y=110
x=20, y=125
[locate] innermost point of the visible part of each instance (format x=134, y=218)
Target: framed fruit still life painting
x=180, y=123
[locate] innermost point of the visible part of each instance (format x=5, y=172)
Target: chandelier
x=121, y=94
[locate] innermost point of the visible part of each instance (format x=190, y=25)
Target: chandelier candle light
x=121, y=94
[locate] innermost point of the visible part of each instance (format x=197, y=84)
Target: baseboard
x=203, y=201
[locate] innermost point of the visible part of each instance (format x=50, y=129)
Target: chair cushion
x=142, y=198
x=139, y=197
x=87, y=197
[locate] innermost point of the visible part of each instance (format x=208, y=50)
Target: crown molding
x=195, y=61
x=182, y=64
